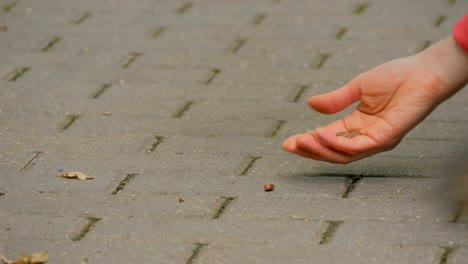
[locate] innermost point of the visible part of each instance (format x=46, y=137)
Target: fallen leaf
x=36, y=258
x=77, y=174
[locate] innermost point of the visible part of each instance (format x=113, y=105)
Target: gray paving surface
x=191, y=99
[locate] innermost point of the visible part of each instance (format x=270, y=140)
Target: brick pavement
x=162, y=100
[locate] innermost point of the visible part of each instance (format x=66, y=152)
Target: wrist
x=449, y=62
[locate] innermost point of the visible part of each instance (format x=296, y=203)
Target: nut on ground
x=269, y=187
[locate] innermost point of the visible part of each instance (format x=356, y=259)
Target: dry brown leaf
x=77, y=175
x=36, y=258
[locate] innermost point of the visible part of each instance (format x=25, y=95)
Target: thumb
x=335, y=101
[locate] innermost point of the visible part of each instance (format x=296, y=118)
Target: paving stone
x=206, y=232
x=249, y=253
x=30, y=227
x=459, y=256
x=369, y=188
x=201, y=95
x=305, y=206
x=116, y=251
x=107, y=205
x=405, y=234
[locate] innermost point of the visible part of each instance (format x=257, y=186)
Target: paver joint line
x=238, y=44
x=185, y=108
x=131, y=58
x=460, y=210
x=351, y=186
x=104, y=87
x=30, y=162
x=361, y=8
x=250, y=163
x=439, y=21
x=154, y=145
x=321, y=59
x=332, y=226
x=341, y=32
x=51, y=43
x=300, y=91
x=18, y=73
x=214, y=73
x=158, y=32
x=277, y=128
x=184, y=7
x=226, y=201
x=9, y=7
x=258, y=19
x=196, y=252
x=446, y=254
x=85, y=229
x=124, y=182
x=81, y=19
x=69, y=120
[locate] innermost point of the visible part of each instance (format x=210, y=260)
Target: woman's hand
x=394, y=97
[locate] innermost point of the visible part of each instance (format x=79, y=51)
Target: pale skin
x=394, y=97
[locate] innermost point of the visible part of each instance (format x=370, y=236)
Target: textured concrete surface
x=178, y=109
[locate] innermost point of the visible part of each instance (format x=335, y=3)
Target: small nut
x=269, y=187
x=348, y=134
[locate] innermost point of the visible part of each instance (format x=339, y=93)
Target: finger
x=358, y=144
x=333, y=102
x=310, y=144
x=290, y=145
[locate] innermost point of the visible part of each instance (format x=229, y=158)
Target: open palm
x=394, y=97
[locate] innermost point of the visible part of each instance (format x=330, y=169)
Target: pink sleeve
x=460, y=32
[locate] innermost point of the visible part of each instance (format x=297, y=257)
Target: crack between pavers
x=250, y=164
x=9, y=7
x=124, y=182
x=158, y=32
x=36, y=155
x=82, y=18
x=71, y=120
x=258, y=19
x=238, y=44
x=18, y=73
x=196, y=252
x=51, y=43
x=332, y=226
x=446, y=254
x=351, y=186
x=223, y=206
x=154, y=145
x=131, y=58
x=277, y=128
x=185, y=108
x=184, y=7
x=214, y=73
x=104, y=87
x=300, y=91
x=85, y=229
